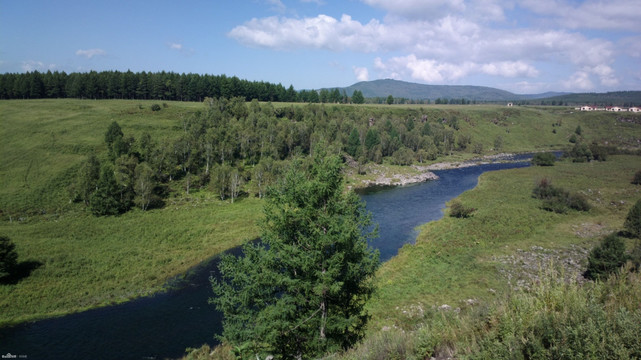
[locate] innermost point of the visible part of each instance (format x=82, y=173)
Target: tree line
x=153, y=86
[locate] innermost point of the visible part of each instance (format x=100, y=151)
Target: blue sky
x=524, y=46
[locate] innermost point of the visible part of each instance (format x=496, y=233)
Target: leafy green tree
x=606, y=258
x=144, y=185
x=632, y=222
x=301, y=292
x=88, y=178
x=8, y=256
x=353, y=143
x=390, y=100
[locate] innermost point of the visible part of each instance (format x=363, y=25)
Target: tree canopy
x=301, y=291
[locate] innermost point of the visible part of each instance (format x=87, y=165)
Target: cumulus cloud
x=90, y=53
x=362, y=74
x=433, y=71
x=580, y=80
x=322, y=31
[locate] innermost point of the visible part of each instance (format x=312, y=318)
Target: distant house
x=634, y=109
x=587, y=108
x=614, y=109
x=510, y=104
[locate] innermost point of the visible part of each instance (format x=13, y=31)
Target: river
x=164, y=325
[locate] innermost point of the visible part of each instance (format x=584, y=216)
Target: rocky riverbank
x=382, y=175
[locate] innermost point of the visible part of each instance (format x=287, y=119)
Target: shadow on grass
x=21, y=271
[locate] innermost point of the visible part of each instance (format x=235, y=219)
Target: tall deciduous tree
x=302, y=291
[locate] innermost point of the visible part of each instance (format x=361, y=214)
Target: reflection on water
x=164, y=325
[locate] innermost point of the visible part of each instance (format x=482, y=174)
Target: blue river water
x=164, y=325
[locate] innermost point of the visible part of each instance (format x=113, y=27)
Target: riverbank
x=371, y=174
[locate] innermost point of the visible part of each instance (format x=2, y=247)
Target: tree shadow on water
x=21, y=271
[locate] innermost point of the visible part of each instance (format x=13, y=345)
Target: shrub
x=580, y=153
x=8, y=256
x=458, y=210
x=606, y=258
x=637, y=178
x=155, y=107
x=633, y=221
x=557, y=199
x=543, y=159
x=403, y=156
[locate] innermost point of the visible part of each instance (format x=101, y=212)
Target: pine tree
x=353, y=144
x=633, y=220
x=301, y=292
x=104, y=200
x=606, y=258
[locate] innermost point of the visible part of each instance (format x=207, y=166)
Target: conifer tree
x=301, y=292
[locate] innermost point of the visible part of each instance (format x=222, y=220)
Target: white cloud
x=579, y=81
x=433, y=71
x=322, y=31
x=362, y=74
x=32, y=65
x=175, y=46
x=90, y=53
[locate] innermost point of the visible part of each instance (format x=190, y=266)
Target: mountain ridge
x=409, y=90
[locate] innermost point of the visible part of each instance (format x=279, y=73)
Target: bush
x=633, y=221
x=557, y=199
x=606, y=258
x=155, y=107
x=580, y=153
x=403, y=156
x=8, y=256
x=636, y=180
x=458, y=210
x=543, y=159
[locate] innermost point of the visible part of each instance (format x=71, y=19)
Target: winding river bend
x=164, y=325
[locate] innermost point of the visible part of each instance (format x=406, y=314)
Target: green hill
x=383, y=88
x=408, y=90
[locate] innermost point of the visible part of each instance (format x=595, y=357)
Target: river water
x=164, y=325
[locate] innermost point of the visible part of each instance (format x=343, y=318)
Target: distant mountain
x=408, y=90
x=396, y=88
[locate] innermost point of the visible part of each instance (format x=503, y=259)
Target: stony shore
x=385, y=178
